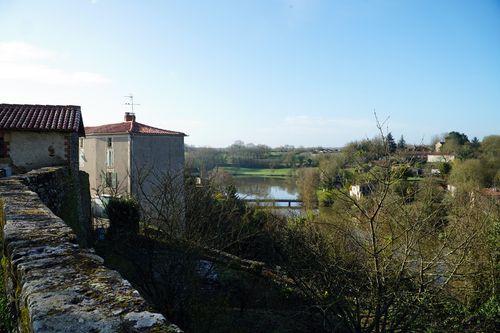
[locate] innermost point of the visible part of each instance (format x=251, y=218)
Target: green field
x=250, y=172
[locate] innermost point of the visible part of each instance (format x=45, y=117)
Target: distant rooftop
x=130, y=126
x=28, y=117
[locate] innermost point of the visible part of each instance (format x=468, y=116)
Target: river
x=266, y=188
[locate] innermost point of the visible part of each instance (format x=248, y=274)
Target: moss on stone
x=24, y=320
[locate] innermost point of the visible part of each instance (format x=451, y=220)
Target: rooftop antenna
x=131, y=102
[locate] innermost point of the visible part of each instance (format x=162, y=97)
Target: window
x=110, y=158
x=110, y=142
x=81, y=142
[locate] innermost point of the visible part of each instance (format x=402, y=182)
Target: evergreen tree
x=391, y=143
x=402, y=143
x=475, y=143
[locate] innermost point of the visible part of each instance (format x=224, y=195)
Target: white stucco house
x=436, y=158
x=360, y=190
x=132, y=159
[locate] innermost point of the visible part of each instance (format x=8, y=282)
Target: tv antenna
x=131, y=102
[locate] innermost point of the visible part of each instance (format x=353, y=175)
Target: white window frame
x=110, y=157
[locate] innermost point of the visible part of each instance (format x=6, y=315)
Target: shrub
x=124, y=216
x=444, y=168
x=325, y=198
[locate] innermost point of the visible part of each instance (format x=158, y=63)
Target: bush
x=124, y=216
x=444, y=168
x=325, y=198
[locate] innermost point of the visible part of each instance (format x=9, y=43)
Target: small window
x=110, y=142
x=110, y=158
x=81, y=142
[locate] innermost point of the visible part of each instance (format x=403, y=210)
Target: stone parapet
x=53, y=284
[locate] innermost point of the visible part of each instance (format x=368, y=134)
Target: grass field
x=250, y=172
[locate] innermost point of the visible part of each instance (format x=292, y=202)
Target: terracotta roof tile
x=131, y=127
x=27, y=117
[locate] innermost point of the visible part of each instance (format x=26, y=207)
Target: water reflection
x=266, y=188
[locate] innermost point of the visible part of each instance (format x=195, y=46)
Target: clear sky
x=300, y=72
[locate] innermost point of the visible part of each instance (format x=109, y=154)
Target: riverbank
x=255, y=172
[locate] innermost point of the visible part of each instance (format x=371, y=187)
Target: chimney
x=129, y=116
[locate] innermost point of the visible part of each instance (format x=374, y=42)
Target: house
x=438, y=146
x=35, y=136
x=436, y=158
x=357, y=191
x=130, y=158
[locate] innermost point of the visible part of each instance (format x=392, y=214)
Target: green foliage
x=307, y=183
x=475, y=144
x=6, y=322
x=391, y=144
x=325, y=197
x=444, y=168
x=402, y=143
x=402, y=171
x=468, y=175
x=490, y=159
x=365, y=150
x=405, y=189
x=456, y=137
x=124, y=217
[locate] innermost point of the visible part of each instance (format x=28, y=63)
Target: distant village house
x=436, y=158
x=438, y=146
x=358, y=191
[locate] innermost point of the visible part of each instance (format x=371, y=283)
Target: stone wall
x=66, y=194
x=53, y=284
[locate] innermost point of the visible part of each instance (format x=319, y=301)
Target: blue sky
x=301, y=72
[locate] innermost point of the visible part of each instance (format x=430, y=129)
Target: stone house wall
x=30, y=150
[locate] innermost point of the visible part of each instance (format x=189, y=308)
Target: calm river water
x=266, y=188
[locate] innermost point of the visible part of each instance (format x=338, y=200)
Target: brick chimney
x=129, y=116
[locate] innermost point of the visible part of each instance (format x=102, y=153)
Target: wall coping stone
x=55, y=285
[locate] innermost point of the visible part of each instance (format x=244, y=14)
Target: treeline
x=250, y=155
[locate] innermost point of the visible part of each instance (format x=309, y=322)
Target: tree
x=391, y=144
x=124, y=217
x=490, y=159
x=307, y=182
x=444, y=168
x=459, y=138
x=455, y=143
x=475, y=144
x=468, y=175
x=402, y=143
